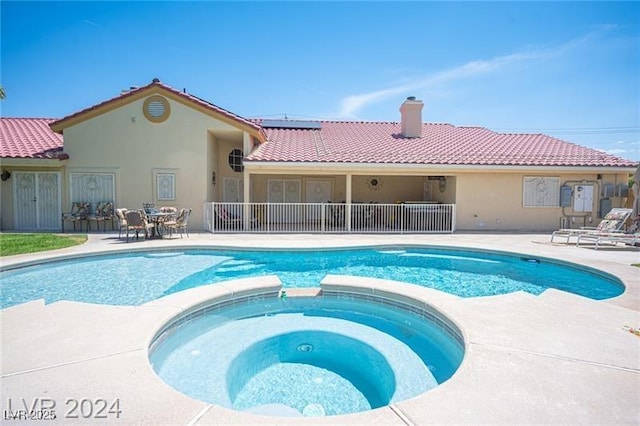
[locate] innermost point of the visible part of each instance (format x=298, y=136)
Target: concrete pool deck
x=554, y=358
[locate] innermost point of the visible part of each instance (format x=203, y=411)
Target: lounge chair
x=632, y=239
x=613, y=222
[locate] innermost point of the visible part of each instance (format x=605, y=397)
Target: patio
x=554, y=358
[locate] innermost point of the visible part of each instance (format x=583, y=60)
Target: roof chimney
x=411, y=117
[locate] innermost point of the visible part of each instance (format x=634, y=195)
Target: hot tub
x=307, y=356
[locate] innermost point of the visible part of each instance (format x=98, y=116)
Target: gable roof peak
x=135, y=92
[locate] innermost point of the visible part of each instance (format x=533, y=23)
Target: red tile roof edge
x=157, y=83
x=29, y=138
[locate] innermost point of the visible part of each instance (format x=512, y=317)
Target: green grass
x=11, y=244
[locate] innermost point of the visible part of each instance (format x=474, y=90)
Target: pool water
x=306, y=356
x=140, y=277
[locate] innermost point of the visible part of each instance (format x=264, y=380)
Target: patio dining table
x=158, y=219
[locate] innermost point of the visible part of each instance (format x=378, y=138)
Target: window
x=92, y=187
x=165, y=186
x=235, y=160
x=540, y=191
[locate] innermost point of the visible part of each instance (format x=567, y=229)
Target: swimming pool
x=135, y=278
x=306, y=356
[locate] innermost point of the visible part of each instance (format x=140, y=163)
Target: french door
x=233, y=192
x=37, y=201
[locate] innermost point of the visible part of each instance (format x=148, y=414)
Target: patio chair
x=79, y=213
x=225, y=220
x=104, y=213
x=173, y=210
x=631, y=239
x=149, y=208
x=179, y=224
x=612, y=222
x=170, y=212
x=121, y=215
x=137, y=223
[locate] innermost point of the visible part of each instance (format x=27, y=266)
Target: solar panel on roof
x=291, y=124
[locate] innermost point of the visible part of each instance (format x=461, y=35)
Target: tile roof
x=440, y=144
x=158, y=84
x=28, y=138
x=350, y=142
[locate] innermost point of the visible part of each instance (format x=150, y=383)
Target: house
x=158, y=144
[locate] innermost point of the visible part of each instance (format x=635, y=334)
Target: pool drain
x=305, y=347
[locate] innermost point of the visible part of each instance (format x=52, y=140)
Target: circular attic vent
x=156, y=109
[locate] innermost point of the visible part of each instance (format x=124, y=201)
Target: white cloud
x=351, y=105
x=86, y=21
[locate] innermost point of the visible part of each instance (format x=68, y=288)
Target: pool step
x=238, y=266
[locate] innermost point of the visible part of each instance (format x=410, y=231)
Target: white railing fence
x=329, y=217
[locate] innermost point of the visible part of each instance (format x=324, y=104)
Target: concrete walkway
x=554, y=358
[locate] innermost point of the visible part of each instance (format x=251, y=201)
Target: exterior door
x=37, y=201
x=233, y=192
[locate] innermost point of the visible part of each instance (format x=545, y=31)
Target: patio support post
x=247, y=146
x=246, y=206
x=347, y=217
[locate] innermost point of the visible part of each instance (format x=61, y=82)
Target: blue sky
x=568, y=69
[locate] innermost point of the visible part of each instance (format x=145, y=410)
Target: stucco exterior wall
x=6, y=205
x=223, y=169
x=124, y=142
x=389, y=189
x=494, y=201
x=484, y=200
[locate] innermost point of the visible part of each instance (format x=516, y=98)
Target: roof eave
x=274, y=166
x=154, y=87
x=35, y=162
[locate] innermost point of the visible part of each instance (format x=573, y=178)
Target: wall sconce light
x=5, y=175
x=213, y=178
